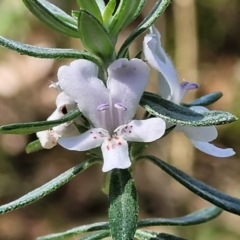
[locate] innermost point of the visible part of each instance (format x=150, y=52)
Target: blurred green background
x=203, y=39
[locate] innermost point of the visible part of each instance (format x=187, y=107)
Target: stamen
x=103, y=107
x=120, y=106
x=186, y=86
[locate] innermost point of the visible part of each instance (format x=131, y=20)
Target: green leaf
x=53, y=17
x=139, y=8
x=50, y=53
x=210, y=194
x=101, y=5
x=205, y=100
x=33, y=127
x=47, y=188
x=123, y=206
x=94, y=36
x=124, y=14
x=151, y=235
x=76, y=231
x=157, y=10
x=75, y=14
x=92, y=7
x=177, y=114
x=96, y=236
x=194, y=218
x=108, y=11
x=34, y=147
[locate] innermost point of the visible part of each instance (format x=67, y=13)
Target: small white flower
x=109, y=109
x=49, y=138
x=171, y=90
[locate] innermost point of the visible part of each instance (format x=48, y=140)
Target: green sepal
x=205, y=100
x=34, y=147
x=136, y=149
x=33, y=127
x=177, y=114
x=157, y=10
x=198, y=217
x=49, y=53
x=53, y=17
x=47, y=188
x=94, y=36
x=92, y=7
x=124, y=15
x=210, y=194
x=123, y=206
x=76, y=231
x=151, y=235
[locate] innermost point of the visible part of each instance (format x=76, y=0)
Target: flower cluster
x=110, y=106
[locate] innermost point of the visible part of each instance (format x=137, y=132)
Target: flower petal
x=204, y=134
x=158, y=59
x=213, y=150
x=79, y=81
x=64, y=100
x=115, y=154
x=90, y=139
x=127, y=81
x=48, y=138
x=142, y=130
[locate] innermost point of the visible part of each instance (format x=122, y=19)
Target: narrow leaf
x=91, y=6
x=108, y=11
x=53, y=17
x=151, y=235
x=205, y=100
x=33, y=147
x=49, y=53
x=157, y=10
x=46, y=188
x=76, y=231
x=33, y=127
x=194, y=218
x=135, y=14
x=94, y=37
x=123, y=206
x=96, y=236
x=101, y=5
x=125, y=13
x=177, y=114
x=212, y=195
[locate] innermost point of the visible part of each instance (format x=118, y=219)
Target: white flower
x=49, y=138
x=109, y=109
x=171, y=90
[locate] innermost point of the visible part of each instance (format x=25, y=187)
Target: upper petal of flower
x=213, y=150
x=126, y=82
x=115, y=154
x=142, y=130
x=158, y=59
x=90, y=139
x=79, y=81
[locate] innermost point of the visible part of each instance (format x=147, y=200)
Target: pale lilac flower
x=49, y=138
x=171, y=90
x=109, y=108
